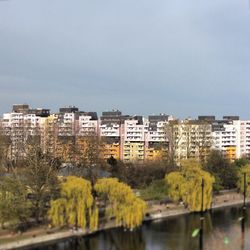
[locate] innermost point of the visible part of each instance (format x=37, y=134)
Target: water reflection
x=222, y=230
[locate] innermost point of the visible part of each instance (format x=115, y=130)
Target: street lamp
x=243, y=214
x=200, y=230
x=201, y=215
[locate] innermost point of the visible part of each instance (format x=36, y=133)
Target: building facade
x=124, y=137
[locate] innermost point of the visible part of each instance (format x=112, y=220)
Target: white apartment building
x=32, y=124
x=87, y=126
x=110, y=130
x=18, y=127
x=245, y=138
x=133, y=140
x=67, y=124
x=13, y=127
x=227, y=137
x=156, y=134
x=191, y=139
x=156, y=127
x=133, y=131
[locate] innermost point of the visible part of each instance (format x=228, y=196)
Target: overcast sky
x=140, y=56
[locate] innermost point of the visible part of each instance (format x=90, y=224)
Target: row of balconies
x=132, y=145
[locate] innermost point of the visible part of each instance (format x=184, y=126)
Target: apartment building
x=156, y=141
x=232, y=136
x=20, y=125
x=110, y=132
x=244, y=140
x=191, y=138
x=67, y=125
x=73, y=126
x=133, y=139
x=226, y=136
x=88, y=124
x=49, y=133
x=125, y=137
x=14, y=129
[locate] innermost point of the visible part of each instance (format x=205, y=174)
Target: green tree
x=75, y=206
x=156, y=190
x=225, y=172
x=139, y=175
x=14, y=206
x=127, y=209
x=240, y=183
x=5, y=162
x=186, y=185
x=243, y=161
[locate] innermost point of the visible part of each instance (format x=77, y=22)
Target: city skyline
x=99, y=114
x=126, y=137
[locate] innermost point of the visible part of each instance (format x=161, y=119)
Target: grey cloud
x=185, y=57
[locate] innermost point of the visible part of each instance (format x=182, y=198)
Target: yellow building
x=230, y=153
x=111, y=149
x=153, y=154
x=133, y=151
x=49, y=134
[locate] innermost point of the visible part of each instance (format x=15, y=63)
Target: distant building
x=110, y=132
x=125, y=137
x=156, y=141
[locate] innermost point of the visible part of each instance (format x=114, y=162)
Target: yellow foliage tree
x=244, y=170
x=186, y=185
x=124, y=205
x=75, y=206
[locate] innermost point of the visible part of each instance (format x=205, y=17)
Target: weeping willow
x=75, y=205
x=186, y=185
x=124, y=205
x=240, y=184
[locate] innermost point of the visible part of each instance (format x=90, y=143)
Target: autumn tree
x=89, y=157
x=75, y=206
x=173, y=139
x=39, y=175
x=186, y=185
x=127, y=209
x=188, y=139
x=65, y=149
x=5, y=162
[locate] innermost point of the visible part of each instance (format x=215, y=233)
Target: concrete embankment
x=159, y=212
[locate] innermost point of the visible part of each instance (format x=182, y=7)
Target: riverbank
x=156, y=211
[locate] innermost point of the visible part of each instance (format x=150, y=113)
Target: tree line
x=33, y=190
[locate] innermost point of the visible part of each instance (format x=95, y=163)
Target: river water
x=222, y=230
